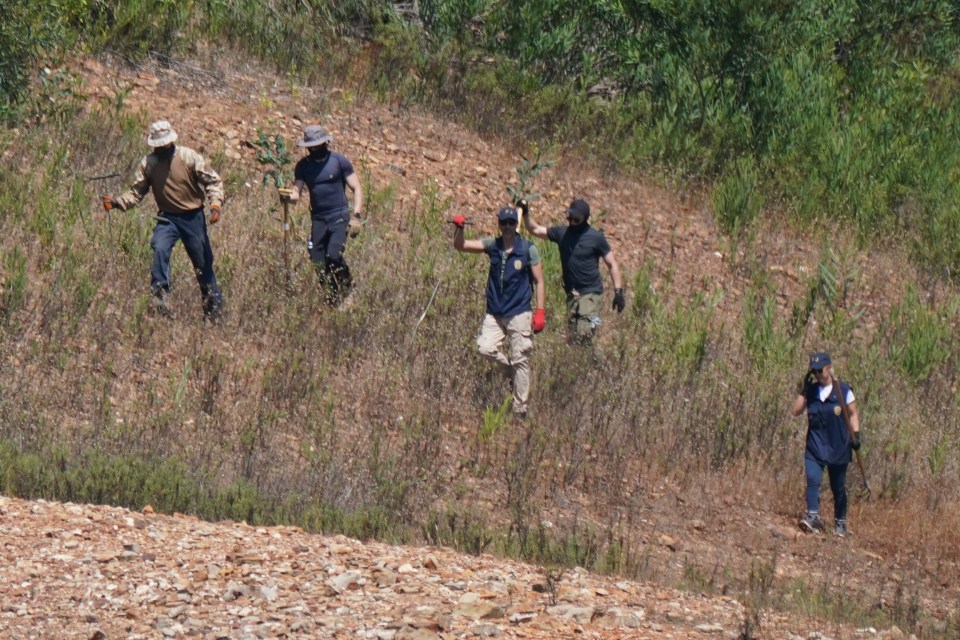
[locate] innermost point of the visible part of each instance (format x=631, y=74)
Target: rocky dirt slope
x=94, y=572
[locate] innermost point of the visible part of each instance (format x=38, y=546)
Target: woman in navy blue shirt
x=830, y=439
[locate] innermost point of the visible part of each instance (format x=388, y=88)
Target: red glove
x=459, y=221
x=539, y=320
x=109, y=202
x=215, y=214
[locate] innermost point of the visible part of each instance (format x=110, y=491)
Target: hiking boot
x=840, y=528
x=520, y=416
x=161, y=306
x=213, y=306
x=347, y=303
x=812, y=524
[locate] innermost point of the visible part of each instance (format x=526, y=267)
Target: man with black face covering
x=180, y=181
x=326, y=173
x=581, y=249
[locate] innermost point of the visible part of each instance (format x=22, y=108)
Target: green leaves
x=736, y=198
x=922, y=336
x=272, y=152
x=27, y=31
x=526, y=172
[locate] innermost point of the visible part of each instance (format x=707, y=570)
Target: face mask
x=165, y=153
x=319, y=152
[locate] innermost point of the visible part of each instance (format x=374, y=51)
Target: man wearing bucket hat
x=515, y=271
x=581, y=249
x=830, y=439
x=326, y=173
x=180, y=181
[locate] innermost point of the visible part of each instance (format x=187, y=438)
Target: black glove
x=856, y=441
x=619, y=300
x=524, y=206
x=807, y=381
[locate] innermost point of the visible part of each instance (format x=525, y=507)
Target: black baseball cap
x=579, y=209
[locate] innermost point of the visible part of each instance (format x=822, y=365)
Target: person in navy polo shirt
x=829, y=440
x=515, y=273
x=326, y=174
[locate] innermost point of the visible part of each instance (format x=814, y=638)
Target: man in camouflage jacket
x=180, y=181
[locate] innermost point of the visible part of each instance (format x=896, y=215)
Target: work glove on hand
x=109, y=202
x=215, y=214
x=523, y=205
x=459, y=221
x=539, y=320
x=619, y=300
x=286, y=195
x=355, y=226
x=856, y=441
x=806, y=382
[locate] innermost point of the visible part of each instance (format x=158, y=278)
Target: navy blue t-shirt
x=326, y=178
x=581, y=248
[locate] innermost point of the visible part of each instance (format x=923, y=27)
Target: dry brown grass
x=672, y=420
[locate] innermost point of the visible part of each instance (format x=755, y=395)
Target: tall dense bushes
x=846, y=108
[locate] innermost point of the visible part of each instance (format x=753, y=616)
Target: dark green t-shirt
x=581, y=248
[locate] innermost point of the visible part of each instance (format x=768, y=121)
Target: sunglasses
x=508, y=223
x=818, y=371
x=575, y=219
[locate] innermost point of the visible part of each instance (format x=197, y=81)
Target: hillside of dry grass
x=668, y=458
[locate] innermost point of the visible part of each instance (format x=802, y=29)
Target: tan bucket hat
x=313, y=136
x=161, y=134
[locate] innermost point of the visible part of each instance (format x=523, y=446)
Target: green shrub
x=736, y=198
x=922, y=336
x=14, y=286
x=768, y=344
x=680, y=334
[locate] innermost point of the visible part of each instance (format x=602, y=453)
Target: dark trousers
x=191, y=228
x=838, y=485
x=328, y=237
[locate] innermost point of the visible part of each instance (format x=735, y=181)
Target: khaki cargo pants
x=583, y=316
x=518, y=332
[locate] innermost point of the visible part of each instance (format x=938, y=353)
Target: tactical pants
x=328, y=238
x=518, y=331
x=583, y=316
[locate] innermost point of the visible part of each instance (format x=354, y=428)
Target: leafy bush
x=923, y=337
x=28, y=31
x=736, y=199
x=768, y=344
